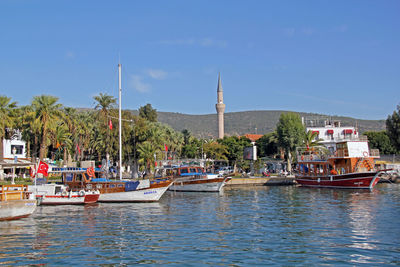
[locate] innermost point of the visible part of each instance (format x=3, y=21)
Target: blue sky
x=329, y=57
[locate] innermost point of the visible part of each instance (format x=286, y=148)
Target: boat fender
x=70, y=194
x=365, y=154
x=319, y=180
x=64, y=193
x=331, y=178
x=81, y=193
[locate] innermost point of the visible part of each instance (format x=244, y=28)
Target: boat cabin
x=349, y=157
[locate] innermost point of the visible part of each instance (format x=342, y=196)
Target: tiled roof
x=253, y=137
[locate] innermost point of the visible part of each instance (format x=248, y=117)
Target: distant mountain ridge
x=243, y=122
x=259, y=121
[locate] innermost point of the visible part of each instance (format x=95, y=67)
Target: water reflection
x=242, y=226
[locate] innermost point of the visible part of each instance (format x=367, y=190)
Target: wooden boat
x=117, y=191
x=15, y=202
x=194, y=179
x=350, y=166
x=60, y=194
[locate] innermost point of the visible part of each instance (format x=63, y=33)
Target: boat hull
x=142, y=195
x=68, y=200
x=365, y=180
x=198, y=185
x=16, y=209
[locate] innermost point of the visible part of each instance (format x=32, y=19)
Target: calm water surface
x=242, y=226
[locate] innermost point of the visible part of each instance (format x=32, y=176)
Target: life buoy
x=365, y=154
x=64, y=193
x=90, y=172
x=81, y=193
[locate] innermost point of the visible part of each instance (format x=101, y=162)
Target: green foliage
x=380, y=140
x=393, y=128
x=235, y=146
x=148, y=112
x=290, y=131
x=311, y=139
x=46, y=113
x=267, y=145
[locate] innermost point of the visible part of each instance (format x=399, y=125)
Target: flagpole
x=120, y=122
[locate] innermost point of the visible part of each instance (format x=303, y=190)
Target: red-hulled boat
x=350, y=166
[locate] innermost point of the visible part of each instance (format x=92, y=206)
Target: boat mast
x=120, y=122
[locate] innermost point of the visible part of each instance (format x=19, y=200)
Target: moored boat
x=60, y=194
x=350, y=166
x=15, y=202
x=194, y=179
x=144, y=190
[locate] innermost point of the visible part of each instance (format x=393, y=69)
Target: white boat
x=15, y=202
x=59, y=194
x=150, y=194
x=194, y=179
x=198, y=184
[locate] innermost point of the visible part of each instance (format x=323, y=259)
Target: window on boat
x=57, y=189
x=184, y=170
x=120, y=185
x=193, y=170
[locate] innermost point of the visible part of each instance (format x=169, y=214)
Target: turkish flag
x=166, y=147
x=110, y=124
x=43, y=168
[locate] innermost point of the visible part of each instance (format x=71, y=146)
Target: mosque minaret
x=220, y=106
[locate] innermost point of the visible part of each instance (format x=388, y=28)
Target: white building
x=14, y=151
x=332, y=132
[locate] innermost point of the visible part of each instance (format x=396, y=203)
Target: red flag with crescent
x=43, y=168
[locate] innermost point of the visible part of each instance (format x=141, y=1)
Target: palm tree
x=311, y=139
x=146, y=153
x=104, y=104
x=47, y=111
x=6, y=119
x=62, y=140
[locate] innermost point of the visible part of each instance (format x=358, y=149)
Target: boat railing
x=316, y=153
x=13, y=192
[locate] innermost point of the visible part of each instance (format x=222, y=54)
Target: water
x=241, y=227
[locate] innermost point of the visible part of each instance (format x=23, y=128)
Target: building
x=331, y=132
x=14, y=153
x=220, y=107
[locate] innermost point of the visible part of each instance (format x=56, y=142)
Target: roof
x=253, y=137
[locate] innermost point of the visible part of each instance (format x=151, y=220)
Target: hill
x=240, y=123
x=260, y=122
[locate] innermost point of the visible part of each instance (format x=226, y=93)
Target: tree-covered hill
x=260, y=122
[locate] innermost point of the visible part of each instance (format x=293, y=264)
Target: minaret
x=220, y=106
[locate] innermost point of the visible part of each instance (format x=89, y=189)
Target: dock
x=262, y=181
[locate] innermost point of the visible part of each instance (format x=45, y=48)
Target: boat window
x=120, y=185
x=57, y=189
x=184, y=170
x=193, y=170
x=112, y=185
